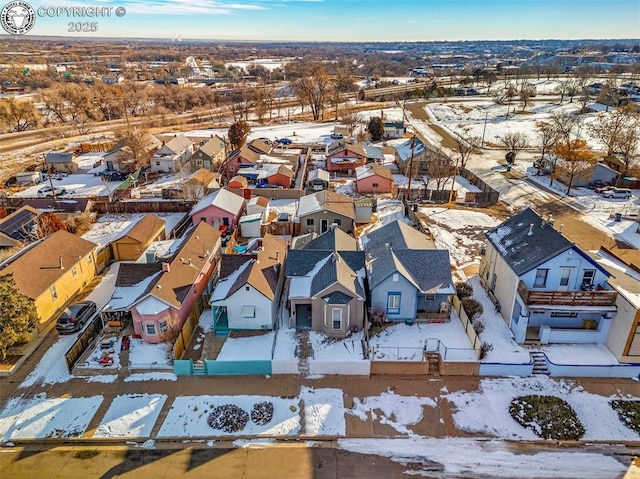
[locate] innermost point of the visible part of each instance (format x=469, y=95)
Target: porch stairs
x=433, y=360
x=539, y=363
x=304, y=352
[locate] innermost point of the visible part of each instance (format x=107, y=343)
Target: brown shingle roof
x=146, y=229
x=185, y=267
x=39, y=267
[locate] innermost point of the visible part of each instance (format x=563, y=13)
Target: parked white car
x=617, y=193
x=47, y=191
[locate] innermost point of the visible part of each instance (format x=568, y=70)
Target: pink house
x=345, y=158
x=219, y=208
x=374, y=178
x=160, y=312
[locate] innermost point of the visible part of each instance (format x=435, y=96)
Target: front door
x=324, y=225
x=565, y=278
x=303, y=316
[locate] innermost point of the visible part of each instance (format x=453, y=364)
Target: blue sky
x=355, y=20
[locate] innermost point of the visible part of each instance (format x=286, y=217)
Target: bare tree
x=567, y=126
x=18, y=115
x=609, y=128
x=465, y=147
x=515, y=143
x=351, y=119
x=629, y=142
x=439, y=169
x=137, y=147
x=547, y=136
x=527, y=91
x=312, y=88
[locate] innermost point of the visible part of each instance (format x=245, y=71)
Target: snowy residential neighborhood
x=448, y=284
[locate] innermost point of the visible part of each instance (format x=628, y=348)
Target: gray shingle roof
x=333, y=240
x=337, y=272
x=337, y=297
x=398, y=235
x=522, y=250
x=429, y=270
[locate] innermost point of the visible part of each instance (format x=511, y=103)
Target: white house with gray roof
x=546, y=288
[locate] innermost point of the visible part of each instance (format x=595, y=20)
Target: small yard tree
x=515, y=143
x=376, y=128
x=18, y=316
x=547, y=136
x=465, y=147
x=238, y=133
x=575, y=161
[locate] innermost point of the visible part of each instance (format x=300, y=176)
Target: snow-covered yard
x=149, y=356
x=249, y=348
x=42, y=417
x=486, y=411
x=329, y=349
x=403, y=342
x=132, y=415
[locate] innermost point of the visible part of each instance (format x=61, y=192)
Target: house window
x=164, y=327
x=541, y=278
x=232, y=168
x=246, y=288
x=429, y=297
x=336, y=319
x=199, y=162
x=151, y=329
x=374, y=185
x=393, y=303
x=54, y=293
x=587, y=277
x=309, y=221
x=89, y=259
x=565, y=275
x=395, y=277
x=248, y=311
x=337, y=221
x=74, y=271
x=563, y=314
x=157, y=163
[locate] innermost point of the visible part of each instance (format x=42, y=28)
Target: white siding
x=235, y=302
x=569, y=259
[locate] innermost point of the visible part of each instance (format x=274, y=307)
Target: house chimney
x=61, y=265
x=530, y=229
x=166, y=267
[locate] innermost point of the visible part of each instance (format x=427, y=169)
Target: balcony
x=567, y=298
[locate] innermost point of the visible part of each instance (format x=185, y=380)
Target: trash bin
x=508, y=167
x=618, y=217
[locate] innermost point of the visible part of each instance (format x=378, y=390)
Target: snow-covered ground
x=42, y=417
x=250, y=348
x=323, y=411
x=132, y=415
x=468, y=458
x=328, y=349
x=144, y=355
x=402, y=342
x=392, y=409
x=486, y=411
x=108, y=228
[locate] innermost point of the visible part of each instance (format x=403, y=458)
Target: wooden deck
x=567, y=298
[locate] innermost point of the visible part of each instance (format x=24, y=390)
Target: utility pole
x=453, y=183
x=484, y=129
x=46, y=165
x=413, y=144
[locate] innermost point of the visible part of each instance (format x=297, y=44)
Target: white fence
x=284, y=366
x=348, y=368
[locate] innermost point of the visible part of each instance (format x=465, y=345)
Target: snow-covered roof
x=223, y=199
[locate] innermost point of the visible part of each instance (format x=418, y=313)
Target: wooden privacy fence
x=488, y=196
x=181, y=206
x=466, y=323
x=188, y=328
x=83, y=341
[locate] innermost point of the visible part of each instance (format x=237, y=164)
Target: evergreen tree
x=376, y=128
x=18, y=316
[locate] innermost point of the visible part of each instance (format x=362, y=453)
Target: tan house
x=210, y=155
x=326, y=286
x=135, y=240
x=53, y=271
x=317, y=212
x=199, y=184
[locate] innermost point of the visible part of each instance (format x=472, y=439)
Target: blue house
x=547, y=289
x=409, y=280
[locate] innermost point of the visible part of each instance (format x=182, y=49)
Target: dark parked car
x=74, y=317
x=284, y=141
